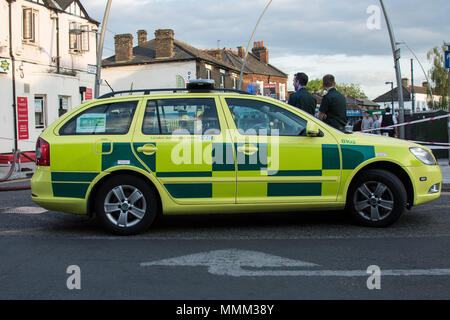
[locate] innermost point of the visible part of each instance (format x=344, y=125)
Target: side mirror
x=312, y=130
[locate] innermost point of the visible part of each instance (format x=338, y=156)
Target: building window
x=234, y=83
x=78, y=37
x=208, y=74
x=40, y=112
x=29, y=25
x=222, y=80
x=64, y=105
x=85, y=38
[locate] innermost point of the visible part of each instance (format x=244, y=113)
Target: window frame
x=31, y=27
x=270, y=104
x=43, y=112
x=158, y=115
x=84, y=37
x=62, y=126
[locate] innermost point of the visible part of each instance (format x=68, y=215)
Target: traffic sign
x=447, y=59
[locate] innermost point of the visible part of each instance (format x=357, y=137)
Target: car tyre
x=377, y=198
x=126, y=205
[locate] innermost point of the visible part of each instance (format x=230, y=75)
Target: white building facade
x=48, y=52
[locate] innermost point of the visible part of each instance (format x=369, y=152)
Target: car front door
x=276, y=161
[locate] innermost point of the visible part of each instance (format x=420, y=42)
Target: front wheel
x=376, y=199
x=126, y=205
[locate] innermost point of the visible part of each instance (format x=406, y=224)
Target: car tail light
x=42, y=153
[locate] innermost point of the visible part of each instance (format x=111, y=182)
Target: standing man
x=333, y=109
x=387, y=120
x=367, y=122
x=302, y=98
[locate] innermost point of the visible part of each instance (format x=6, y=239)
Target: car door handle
x=248, y=149
x=147, y=149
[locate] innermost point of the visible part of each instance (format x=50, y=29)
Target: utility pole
x=100, y=50
x=396, y=55
x=413, y=95
x=447, y=63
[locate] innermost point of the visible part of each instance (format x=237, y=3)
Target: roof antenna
x=112, y=90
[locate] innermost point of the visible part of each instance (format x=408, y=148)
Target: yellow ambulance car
x=126, y=159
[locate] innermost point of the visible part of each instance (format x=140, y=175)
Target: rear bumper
x=42, y=194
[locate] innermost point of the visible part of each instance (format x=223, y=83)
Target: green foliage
x=352, y=90
x=439, y=75
x=315, y=86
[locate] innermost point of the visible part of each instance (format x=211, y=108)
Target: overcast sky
x=314, y=36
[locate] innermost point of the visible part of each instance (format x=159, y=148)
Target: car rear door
x=179, y=139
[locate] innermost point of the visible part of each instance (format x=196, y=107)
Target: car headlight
x=423, y=155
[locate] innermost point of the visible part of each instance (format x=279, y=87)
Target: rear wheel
x=376, y=199
x=126, y=205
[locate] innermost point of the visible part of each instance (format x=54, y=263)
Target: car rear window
x=110, y=118
x=181, y=116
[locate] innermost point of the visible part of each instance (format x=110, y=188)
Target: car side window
x=181, y=116
x=253, y=117
x=109, y=118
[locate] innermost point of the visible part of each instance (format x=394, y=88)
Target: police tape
x=408, y=123
x=438, y=147
x=18, y=140
x=431, y=143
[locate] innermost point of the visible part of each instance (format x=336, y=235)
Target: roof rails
x=195, y=86
x=173, y=90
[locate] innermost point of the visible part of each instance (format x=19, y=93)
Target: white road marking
x=23, y=210
x=232, y=262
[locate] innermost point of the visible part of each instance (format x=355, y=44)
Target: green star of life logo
x=4, y=65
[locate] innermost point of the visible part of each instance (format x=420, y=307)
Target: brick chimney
x=405, y=82
x=142, y=37
x=216, y=53
x=124, y=47
x=241, y=52
x=164, y=43
x=261, y=51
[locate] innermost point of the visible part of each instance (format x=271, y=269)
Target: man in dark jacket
x=333, y=109
x=387, y=121
x=302, y=98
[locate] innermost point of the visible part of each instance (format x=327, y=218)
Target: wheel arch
x=116, y=172
x=391, y=167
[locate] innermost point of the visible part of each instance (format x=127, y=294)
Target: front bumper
x=424, y=178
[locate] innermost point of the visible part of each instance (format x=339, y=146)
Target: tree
x=439, y=75
x=315, y=86
x=351, y=90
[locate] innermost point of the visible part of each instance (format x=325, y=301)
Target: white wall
x=36, y=68
x=156, y=75
x=421, y=102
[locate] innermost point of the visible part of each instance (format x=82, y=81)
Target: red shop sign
x=22, y=118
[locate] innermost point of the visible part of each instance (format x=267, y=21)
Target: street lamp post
x=413, y=95
x=392, y=94
x=100, y=50
x=448, y=126
x=249, y=43
x=396, y=55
